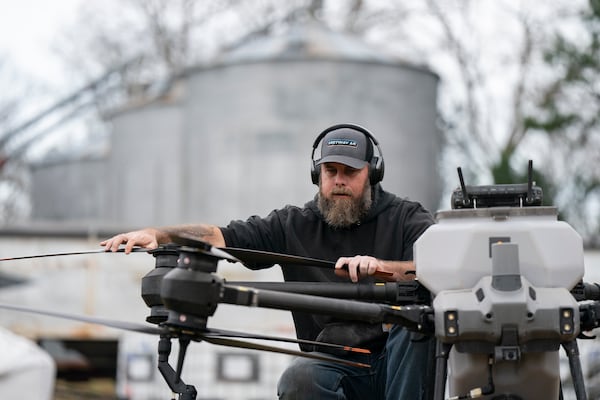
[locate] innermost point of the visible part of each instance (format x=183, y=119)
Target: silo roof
x=306, y=40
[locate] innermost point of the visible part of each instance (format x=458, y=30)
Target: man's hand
x=368, y=266
x=148, y=238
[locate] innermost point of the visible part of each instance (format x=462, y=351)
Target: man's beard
x=345, y=212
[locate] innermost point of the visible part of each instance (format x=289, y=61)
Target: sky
x=29, y=33
x=28, y=30
x=29, y=36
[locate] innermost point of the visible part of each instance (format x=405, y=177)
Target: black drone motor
x=191, y=292
x=165, y=261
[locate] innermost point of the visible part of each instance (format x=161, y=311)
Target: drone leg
x=572, y=351
x=173, y=379
x=183, y=345
x=442, y=351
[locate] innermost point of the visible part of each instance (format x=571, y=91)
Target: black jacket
x=387, y=232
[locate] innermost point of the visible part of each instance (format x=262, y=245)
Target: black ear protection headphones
x=376, y=166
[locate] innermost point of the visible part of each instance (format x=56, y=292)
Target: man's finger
x=129, y=246
x=343, y=273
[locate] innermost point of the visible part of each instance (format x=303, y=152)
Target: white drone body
x=500, y=278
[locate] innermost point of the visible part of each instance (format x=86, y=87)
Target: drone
x=498, y=285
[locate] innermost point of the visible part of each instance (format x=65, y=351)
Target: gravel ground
x=96, y=389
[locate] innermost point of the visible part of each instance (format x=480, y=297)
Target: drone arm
x=406, y=292
x=589, y=315
x=586, y=291
x=414, y=318
x=349, y=309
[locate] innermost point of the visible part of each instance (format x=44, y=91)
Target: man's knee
x=306, y=379
x=293, y=379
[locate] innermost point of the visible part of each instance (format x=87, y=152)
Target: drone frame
x=183, y=292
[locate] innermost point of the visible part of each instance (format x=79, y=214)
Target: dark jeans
x=410, y=365
x=404, y=361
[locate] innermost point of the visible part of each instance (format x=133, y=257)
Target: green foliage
x=568, y=111
x=503, y=173
x=555, y=122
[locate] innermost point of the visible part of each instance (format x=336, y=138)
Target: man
x=365, y=229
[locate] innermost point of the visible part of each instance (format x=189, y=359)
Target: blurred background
x=116, y=115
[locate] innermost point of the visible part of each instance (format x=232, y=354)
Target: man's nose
x=340, y=178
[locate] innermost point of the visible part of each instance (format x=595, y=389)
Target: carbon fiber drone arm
x=416, y=318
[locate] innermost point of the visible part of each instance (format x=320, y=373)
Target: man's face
x=344, y=194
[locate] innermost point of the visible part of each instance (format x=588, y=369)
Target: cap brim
x=349, y=161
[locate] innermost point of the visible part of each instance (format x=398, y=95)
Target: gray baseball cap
x=346, y=146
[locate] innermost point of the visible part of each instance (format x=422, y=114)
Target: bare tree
x=14, y=185
x=492, y=74
x=491, y=56
x=161, y=38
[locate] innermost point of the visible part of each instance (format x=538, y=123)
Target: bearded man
x=365, y=229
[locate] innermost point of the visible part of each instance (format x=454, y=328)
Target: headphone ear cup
x=314, y=172
x=380, y=168
x=376, y=169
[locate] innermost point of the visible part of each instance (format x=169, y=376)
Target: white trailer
x=109, y=286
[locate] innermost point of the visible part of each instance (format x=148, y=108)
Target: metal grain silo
x=234, y=138
x=251, y=118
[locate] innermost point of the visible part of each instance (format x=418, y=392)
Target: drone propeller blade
x=210, y=335
x=211, y=332
x=190, y=241
x=254, y=346
x=129, y=326
x=248, y=256
x=267, y=257
x=72, y=253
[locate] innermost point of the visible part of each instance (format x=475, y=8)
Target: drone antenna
x=466, y=200
x=529, y=198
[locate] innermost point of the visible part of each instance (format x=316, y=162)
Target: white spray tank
x=500, y=276
x=456, y=252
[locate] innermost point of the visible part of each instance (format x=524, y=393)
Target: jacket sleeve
x=257, y=233
x=416, y=221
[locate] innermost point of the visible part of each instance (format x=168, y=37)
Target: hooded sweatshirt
x=387, y=232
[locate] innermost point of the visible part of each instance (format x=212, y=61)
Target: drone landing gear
x=442, y=351
x=171, y=376
x=572, y=351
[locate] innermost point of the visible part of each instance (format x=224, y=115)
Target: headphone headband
x=376, y=166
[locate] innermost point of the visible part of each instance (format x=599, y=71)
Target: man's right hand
x=148, y=238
